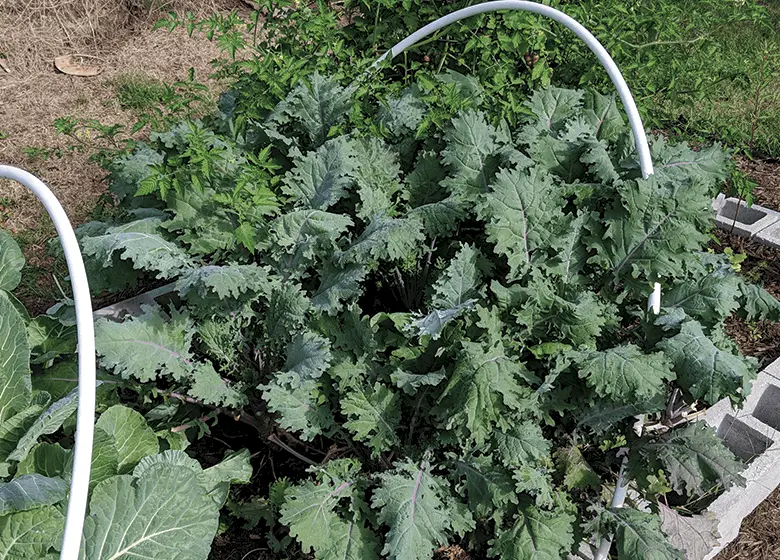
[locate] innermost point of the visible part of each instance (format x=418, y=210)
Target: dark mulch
x=766, y=173
x=759, y=339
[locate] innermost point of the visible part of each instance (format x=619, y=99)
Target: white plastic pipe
x=587, y=37
x=85, y=419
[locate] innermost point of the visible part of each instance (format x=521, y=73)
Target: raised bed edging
x=752, y=433
x=757, y=222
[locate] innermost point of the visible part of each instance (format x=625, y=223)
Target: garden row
x=402, y=317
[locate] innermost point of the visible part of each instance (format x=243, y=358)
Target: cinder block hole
x=744, y=441
x=747, y=216
x=768, y=408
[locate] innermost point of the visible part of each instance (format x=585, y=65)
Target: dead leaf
x=695, y=535
x=78, y=65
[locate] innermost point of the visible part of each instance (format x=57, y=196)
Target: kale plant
x=454, y=316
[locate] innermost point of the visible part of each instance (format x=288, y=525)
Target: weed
x=137, y=92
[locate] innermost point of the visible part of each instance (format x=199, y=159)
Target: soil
x=33, y=93
x=766, y=173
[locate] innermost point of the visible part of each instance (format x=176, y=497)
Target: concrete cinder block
x=734, y=216
x=132, y=307
x=770, y=235
x=752, y=433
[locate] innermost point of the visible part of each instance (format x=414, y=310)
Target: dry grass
x=33, y=94
x=759, y=537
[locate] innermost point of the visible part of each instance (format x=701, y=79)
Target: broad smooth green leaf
x=47, y=423
x=419, y=509
x=15, y=385
x=11, y=262
x=29, y=535
x=48, y=459
x=132, y=436
x=166, y=514
x=31, y=491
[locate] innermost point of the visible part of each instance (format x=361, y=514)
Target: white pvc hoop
x=642, y=148
x=85, y=418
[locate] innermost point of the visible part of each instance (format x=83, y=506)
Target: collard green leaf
x=30, y=534
x=373, y=416
x=521, y=210
x=485, y=388
x=419, y=510
x=12, y=430
x=11, y=262
x=15, y=384
x=321, y=178
x=535, y=535
x=47, y=423
x=639, y=535
x=132, y=437
x=165, y=514
x=625, y=373
x=31, y=491
x=694, y=459
x=48, y=459
x=704, y=370
x=142, y=346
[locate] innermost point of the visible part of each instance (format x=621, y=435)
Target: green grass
x=740, y=104
x=137, y=92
